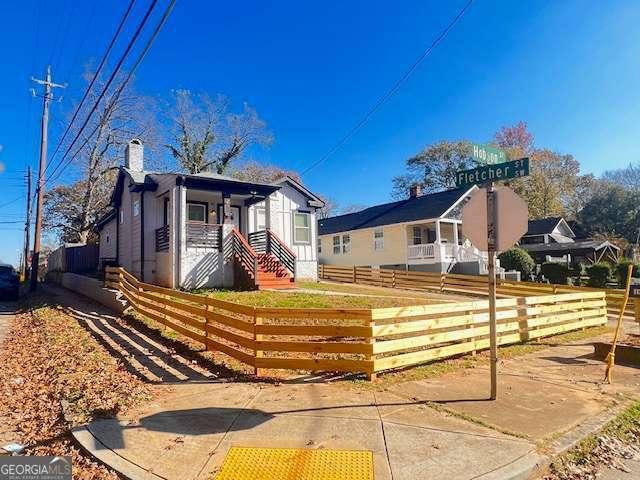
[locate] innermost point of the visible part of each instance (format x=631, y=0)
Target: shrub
x=575, y=272
x=621, y=271
x=517, y=259
x=555, y=272
x=598, y=274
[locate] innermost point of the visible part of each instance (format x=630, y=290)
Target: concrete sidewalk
x=436, y=428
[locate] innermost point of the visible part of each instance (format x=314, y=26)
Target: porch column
x=267, y=212
x=438, y=253
x=455, y=233
x=226, y=207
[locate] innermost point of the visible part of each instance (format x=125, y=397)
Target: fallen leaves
x=54, y=375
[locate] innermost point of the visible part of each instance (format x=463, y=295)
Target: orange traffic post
x=612, y=354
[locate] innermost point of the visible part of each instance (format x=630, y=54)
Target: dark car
x=9, y=282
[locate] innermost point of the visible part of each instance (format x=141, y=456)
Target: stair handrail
x=281, y=251
x=245, y=250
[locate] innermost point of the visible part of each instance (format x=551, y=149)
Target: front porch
x=438, y=245
x=214, y=233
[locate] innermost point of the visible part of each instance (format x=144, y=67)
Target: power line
x=135, y=66
x=96, y=74
x=11, y=202
x=365, y=119
x=108, y=84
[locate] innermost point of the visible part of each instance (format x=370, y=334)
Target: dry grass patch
x=268, y=298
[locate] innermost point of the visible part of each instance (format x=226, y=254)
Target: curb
x=88, y=442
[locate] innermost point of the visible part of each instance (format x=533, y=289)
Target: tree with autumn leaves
x=608, y=207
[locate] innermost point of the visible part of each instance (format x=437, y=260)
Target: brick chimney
x=134, y=155
x=415, y=190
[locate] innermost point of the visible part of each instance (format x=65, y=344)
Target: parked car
x=9, y=282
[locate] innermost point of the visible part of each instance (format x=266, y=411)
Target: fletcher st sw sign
x=493, y=173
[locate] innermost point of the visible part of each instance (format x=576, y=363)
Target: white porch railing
x=421, y=251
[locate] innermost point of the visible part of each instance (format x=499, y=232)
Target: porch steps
x=272, y=274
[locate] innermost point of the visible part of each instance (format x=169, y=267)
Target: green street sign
x=492, y=173
x=486, y=155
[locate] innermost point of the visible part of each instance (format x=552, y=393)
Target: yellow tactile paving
x=242, y=463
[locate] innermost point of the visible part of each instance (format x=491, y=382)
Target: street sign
x=487, y=155
x=511, y=219
x=492, y=173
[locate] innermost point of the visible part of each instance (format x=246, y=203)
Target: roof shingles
x=408, y=210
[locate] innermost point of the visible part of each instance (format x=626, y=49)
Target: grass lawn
x=308, y=300
x=422, y=297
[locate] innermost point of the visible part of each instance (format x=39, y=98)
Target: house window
x=136, y=208
x=301, y=227
x=346, y=243
x=378, y=239
x=121, y=217
x=261, y=219
x=319, y=246
x=417, y=235
x=107, y=239
x=336, y=245
x=197, y=212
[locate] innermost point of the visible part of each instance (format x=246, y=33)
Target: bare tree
x=72, y=210
x=205, y=136
x=253, y=171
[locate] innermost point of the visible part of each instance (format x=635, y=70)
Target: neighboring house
x=419, y=233
x=189, y=231
x=554, y=239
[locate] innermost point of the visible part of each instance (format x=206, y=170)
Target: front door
x=235, y=217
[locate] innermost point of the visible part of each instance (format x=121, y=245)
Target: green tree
x=611, y=211
x=434, y=168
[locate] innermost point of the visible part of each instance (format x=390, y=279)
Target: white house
x=189, y=231
x=422, y=232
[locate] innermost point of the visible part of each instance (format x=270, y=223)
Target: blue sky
x=311, y=69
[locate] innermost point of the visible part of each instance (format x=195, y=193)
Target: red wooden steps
x=272, y=274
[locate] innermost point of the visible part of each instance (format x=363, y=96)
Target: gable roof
x=409, y=210
x=543, y=225
x=314, y=200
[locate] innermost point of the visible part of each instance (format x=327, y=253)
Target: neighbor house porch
x=438, y=245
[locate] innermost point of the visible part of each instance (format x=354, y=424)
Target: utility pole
x=27, y=223
x=46, y=99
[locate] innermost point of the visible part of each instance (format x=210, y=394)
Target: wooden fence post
x=393, y=279
x=442, y=279
x=472, y=326
x=256, y=339
x=371, y=341
x=208, y=308
x=636, y=307
x=353, y=275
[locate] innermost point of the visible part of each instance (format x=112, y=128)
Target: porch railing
x=424, y=250
x=205, y=235
x=265, y=241
x=162, y=239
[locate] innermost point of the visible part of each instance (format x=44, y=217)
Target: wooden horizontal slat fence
x=355, y=340
x=463, y=284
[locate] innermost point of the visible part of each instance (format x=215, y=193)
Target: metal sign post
x=491, y=250
x=503, y=228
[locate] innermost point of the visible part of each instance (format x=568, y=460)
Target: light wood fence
x=355, y=340
x=465, y=284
